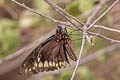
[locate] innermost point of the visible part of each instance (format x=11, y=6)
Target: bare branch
x=81, y=51
x=41, y=14
x=94, y=14
x=96, y=11
x=103, y=14
x=106, y=28
x=58, y=9
x=84, y=31
x=76, y=26
x=104, y=37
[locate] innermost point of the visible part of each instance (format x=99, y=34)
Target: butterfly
x=50, y=55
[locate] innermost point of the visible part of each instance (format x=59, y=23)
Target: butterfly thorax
x=62, y=36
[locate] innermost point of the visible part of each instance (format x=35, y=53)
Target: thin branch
x=41, y=14
x=58, y=9
x=104, y=37
x=72, y=23
x=81, y=51
x=91, y=18
x=96, y=11
x=103, y=14
x=85, y=27
x=106, y=28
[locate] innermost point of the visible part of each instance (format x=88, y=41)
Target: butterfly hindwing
x=28, y=64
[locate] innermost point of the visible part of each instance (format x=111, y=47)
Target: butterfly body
x=50, y=54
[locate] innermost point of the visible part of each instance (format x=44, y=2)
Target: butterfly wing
x=30, y=60
x=64, y=54
x=50, y=54
x=70, y=52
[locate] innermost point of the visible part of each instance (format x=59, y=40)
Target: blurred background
x=19, y=27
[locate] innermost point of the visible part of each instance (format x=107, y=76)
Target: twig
x=96, y=11
x=103, y=14
x=81, y=51
x=86, y=29
x=58, y=9
x=91, y=18
x=106, y=28
x=104, y=37
x=41, y=14
x=76, y=26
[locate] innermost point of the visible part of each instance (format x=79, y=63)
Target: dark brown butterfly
x=50, y=54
